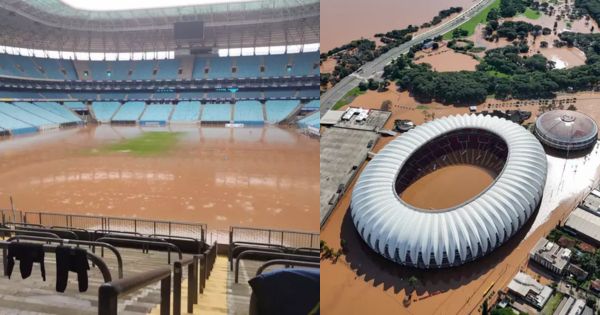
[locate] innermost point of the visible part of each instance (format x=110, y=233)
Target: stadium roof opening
x=117, y=5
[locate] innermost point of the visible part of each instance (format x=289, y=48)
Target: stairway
x=213, y=301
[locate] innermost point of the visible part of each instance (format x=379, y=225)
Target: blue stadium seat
x=103, y=111
x=280, y=94
x=276, y=65
x=26, y=116
x=130, y=111
x=248, y=112
x=15, y=126
x=59, y=110
x=279, y=110
x=248, y=67
x=156, y=113
x=216, y=113
x=168, y=69
x=219, y=68
x=312, y=120
x=186, y=111
x=305, y=64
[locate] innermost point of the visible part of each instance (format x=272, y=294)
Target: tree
x=571, y=107
x=385, y=106
x=413, y=282
x=363, y=86
x=484, y=307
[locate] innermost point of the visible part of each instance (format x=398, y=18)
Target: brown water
x=441, y=189
x=342, y=21
x=261, y=177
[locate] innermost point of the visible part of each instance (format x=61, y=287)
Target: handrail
x=167, y=245
x=286, y=262
x=270, y=254
x=192, y=263
x=23, y=224
x=66, y=228
x=76, y=242
x=116, y=232
x=32, y=233
x=240, y=249
x=44, y=229
x=108, y=293
x=91, y=256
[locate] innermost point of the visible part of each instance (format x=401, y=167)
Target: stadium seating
x=59, y=110
x=41, y=112
x=26, y=116
x=219, y=68
x=248, y=67
x=111, y=96
x=55, y=95
x=156, y=113
x=248, y=112
x=305, y=64
x=103, y=111
x=143, y=70
x=75, y=105
x=186, y=111
x=241, y=95
x=130, y=111
x=84, y=96
x=312, y=120
x=19, y=94
x=216, y=113
x=218, y=96
x=15, y=126
x=312, y=105
x=191, y=95
x=276, y=66
x=168, y=69
x=279, y=110
x=139, y=96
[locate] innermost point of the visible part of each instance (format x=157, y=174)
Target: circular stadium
x=566, y=130
x=449, y=236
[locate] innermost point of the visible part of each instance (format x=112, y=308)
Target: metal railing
x=286, y=263
x=192, y=294
x=106, y=275
x=4, y=231
x=76, y=242
x=145, y=245
x=269, y=255
x=274, y=237
x=108, y=293
x=195, y=230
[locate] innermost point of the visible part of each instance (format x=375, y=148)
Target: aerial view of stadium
x=460, y=167
x=159, y=157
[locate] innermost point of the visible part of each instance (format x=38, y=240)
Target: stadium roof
x=56, y=25
x=412, y=236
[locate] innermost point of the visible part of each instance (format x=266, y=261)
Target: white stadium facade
x=426, y=238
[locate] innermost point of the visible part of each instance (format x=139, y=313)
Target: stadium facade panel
x=426, y=238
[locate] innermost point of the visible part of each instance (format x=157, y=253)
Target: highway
x=374, y=68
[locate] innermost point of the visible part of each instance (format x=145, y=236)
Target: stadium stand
x=27, y=117
x=55, y=95
x=216, y=96
x=15, y=126
x=216, y=113
x=129, y=112
x=305, y=64
x=308, y=94
x=312, y=105
x=280, y=94
x=186, y=112
x=312, y=120
x=59, y=110
x=20, y=95
x=279, y=110
x=276, y=66
x=156, y=114
x=248, y=95
x=168, y=69
x=247, y=67
x=219, y=68
x=41, y=112
x=104, y=111
x=248, y=112
x=75, y=105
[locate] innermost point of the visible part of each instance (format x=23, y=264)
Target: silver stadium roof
x=54, y=25
x=417, y=237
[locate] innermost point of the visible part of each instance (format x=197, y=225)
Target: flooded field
x=342, y=23
x=439, y=189
x=263, y=177
x=447, y=59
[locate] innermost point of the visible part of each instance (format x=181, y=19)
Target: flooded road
x=342, y=23
x=261, y=177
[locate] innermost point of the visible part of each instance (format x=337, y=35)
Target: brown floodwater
x=260, y=177
x=342, y=22
x=440, y=189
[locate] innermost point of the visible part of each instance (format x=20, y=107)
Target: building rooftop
x=524, y=285
x=552, y=253
x=592, y=202
x=584, y=222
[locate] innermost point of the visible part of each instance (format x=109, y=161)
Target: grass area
x=149, y=143
x=552, y=304
x=348, y=98
x=497, y=74
x=470, y=25
x=422, y=107
x=532, y=14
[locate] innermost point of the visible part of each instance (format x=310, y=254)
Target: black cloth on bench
x=71, y=259
x=26, y=254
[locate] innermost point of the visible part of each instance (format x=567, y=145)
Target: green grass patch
x=497, y=74
x=470, y=25
x=149, y=143
x=552, y=304
x=422, y=107
x=532, y=14
x=348, y=98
